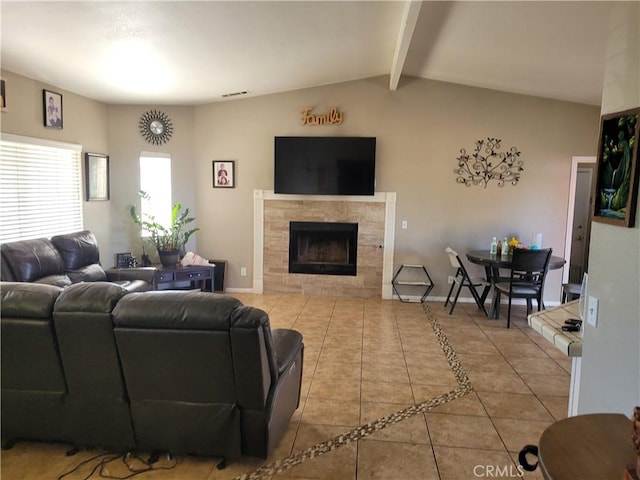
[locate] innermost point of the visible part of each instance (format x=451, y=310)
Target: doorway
x=579, y=218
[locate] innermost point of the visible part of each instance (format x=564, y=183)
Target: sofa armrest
x=287, y=344
x=148, y=274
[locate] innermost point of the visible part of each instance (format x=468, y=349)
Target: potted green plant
x=168, y=240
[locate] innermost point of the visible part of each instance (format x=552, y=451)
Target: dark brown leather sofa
x=67, y=259
x=185, y=372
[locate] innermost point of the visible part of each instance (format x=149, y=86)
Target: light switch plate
x=404, y=224
x=592, y=311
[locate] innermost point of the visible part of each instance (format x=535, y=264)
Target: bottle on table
x=505, y=248
x=494, y=247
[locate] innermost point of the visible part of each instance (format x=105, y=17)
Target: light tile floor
x=365, y=361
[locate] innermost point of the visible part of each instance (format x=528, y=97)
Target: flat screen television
x=325, y=165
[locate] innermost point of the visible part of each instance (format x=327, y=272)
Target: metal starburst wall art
x=486, y=163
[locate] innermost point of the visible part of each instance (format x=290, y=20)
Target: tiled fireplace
x=362, y=268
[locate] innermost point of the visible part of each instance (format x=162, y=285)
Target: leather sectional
x=67, y=259
x=186, y=372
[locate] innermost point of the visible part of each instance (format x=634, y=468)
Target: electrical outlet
x=450, y=279
x=404, y=224
x=243, y=271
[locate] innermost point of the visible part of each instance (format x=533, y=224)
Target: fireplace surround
x=375, y=216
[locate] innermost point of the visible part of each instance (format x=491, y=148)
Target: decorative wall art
x=96, y=170
x=52, y=109
x=334, y=117
x=486, y=164
x=155, y=126
x=616, y=189
x=224, y=173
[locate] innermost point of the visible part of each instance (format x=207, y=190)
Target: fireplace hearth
x=323, y=248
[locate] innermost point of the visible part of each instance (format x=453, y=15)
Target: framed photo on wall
x=96, y=171
x=224, y=173
x=616, y=188
x=52, y=109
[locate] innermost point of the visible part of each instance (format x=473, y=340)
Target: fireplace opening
x=325, y=248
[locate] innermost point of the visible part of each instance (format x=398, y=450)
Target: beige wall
x=420, y=129
x=611, y=352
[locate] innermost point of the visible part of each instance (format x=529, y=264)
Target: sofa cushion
x=88, y=273
x=30, y=260
x=26, y=300
x=78, y=249
x=55, y=280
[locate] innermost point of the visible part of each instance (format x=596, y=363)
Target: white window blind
x=40, y=188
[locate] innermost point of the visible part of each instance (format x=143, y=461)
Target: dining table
x=492, y=264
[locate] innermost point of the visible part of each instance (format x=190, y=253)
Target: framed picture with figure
x=52, y=109
x=224, y=173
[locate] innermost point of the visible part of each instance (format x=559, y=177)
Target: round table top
x=484, y=257
x=594, y=446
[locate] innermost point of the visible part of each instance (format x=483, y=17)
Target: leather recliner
x=33, y=380
x=205, y=374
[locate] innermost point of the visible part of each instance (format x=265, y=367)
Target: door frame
x=570, y=210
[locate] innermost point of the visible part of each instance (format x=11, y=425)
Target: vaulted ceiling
x=186, y=53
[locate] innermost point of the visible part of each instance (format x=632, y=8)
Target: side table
x=594, y=446
x=191, y=273
x=420, y=279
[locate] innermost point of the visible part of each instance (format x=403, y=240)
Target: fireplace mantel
x=385, y=200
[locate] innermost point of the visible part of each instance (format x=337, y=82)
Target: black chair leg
x=449, y=296
x=509, y=313
x=455, y=300
x=479, y=302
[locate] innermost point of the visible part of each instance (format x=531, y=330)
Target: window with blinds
x=40, y=188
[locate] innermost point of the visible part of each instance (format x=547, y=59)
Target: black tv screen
x=325, y=165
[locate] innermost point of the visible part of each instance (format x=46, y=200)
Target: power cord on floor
x=104, y=459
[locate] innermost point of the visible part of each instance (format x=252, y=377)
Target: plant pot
x=169, y=258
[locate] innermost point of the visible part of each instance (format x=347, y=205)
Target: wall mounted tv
x=325, y=165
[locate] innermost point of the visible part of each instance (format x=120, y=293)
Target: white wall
x=610, y=380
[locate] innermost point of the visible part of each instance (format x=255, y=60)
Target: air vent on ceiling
x=236, y=94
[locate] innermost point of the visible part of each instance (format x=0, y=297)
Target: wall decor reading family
x=96, y=170
x=52, y=109
x=334, y=117
x=616, y=189
x=224, y=173
x=486, y=164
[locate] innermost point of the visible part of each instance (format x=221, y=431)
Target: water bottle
x=494, y=246
x=505, y=248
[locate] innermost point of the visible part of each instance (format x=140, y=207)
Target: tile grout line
x=464, y=387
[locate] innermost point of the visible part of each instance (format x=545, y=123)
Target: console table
x=191, y=273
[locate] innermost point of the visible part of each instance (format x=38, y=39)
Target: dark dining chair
x=462, y=279
x=528, y=272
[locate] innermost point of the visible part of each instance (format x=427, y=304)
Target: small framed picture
x=52, y=108
x=224, y=173
x=96, y=170
x=124, y=260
